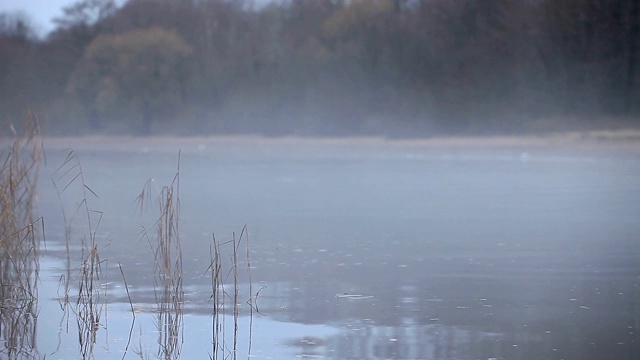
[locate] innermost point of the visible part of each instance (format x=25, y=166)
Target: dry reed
x=167, y=251
x=19, y=242
x=19, y=262
x=219, y=295
x=90, y=304
x=133, y=313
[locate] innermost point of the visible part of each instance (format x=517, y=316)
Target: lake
x=359, y=249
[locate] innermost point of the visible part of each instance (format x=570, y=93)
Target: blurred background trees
x=326, y=67
x=139, y=74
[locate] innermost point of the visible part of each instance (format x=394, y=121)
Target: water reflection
x=429, y=258
x=18, y=324
x=19, y=267
x=20, y=235
x=441, y=320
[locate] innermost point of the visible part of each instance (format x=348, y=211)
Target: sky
x=41, y=12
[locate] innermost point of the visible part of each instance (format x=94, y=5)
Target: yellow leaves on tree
x=141, y=72
x=343, y=22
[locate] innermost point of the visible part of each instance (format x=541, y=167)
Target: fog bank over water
x=440, y=248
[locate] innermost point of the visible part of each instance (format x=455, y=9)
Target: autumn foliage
x=326, y=67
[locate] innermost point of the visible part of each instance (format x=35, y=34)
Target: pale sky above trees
x=41, y=12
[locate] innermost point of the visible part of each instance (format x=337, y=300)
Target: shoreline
x=602, y=141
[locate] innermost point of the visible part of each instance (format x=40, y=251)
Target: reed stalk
x=133, y=313
x=90, y=304
x=219, y=293
x=167, y=250
x=19, y=242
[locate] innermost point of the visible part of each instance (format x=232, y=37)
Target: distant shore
x=610, y=143
x=603, y=139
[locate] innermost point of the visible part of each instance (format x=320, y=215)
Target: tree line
x=325, y=67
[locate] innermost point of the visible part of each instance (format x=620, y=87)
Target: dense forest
x=325, y=67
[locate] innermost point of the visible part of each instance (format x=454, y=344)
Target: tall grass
x=167, y=250
x=83, y=295
x=90, y=304
x=220, y=295
x=19, y=242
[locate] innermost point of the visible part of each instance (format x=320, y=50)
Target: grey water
x=369, y=250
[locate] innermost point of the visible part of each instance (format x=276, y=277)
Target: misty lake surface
x=365, y=249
